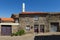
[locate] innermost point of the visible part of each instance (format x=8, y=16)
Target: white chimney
x=23, y=7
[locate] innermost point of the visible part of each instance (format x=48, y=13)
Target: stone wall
x=15, y=28
x=0, y=29
x=41, y=21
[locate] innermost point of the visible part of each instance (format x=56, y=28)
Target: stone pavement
x=24, y=37
x=27, y=36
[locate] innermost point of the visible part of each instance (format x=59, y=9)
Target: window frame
x=28, y=28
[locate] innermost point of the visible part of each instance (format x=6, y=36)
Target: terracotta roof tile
x=7, y=19
x=34, y=13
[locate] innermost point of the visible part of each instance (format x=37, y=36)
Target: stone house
x=8, y=26
x=31, y=22
x=39, y=22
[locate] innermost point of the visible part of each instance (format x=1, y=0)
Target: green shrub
x=20, y=32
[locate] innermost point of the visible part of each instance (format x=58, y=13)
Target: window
x=28, y=28
x=36, y=18
x=16, y=20
x=36, y=28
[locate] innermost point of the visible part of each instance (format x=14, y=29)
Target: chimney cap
x=23, y=7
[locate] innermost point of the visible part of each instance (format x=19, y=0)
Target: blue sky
x=7, y=7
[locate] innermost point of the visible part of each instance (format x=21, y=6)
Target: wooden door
x=6, y=30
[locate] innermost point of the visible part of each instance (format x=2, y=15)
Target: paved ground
x=26, y=37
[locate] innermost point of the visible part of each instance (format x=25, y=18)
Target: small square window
x=27, y=28
x=16, y=20
x=36, y=18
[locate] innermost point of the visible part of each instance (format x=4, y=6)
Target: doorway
x=36, y=28
x=54, y=27
x=6, y=30
x=41, y=28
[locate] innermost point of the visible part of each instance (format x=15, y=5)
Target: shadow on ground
x=48, y=37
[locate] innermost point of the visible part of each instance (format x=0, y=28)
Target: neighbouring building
x=8, y=26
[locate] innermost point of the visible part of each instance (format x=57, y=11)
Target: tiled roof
x=34, y=13
x=7, y=19
x=54, y=12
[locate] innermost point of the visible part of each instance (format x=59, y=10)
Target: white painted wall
x=9, y=23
